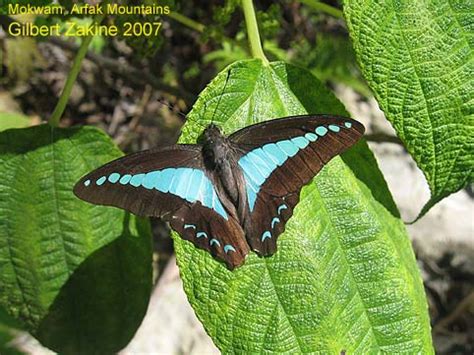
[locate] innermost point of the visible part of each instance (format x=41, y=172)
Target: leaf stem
x=319, y=6
x=71, y=79
x=72, y=76
x=252, y=31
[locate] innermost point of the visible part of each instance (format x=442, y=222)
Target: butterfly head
x=214, y=145
x=211, y=135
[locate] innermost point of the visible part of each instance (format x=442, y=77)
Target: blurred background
x=138, y=90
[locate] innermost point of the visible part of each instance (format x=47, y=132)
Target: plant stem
x=319, y=6
x=199, y=27
x=71, y=79
x=252, y=31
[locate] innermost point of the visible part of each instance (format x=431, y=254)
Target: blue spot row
x=213, y=241
x=227, y=247
x=267, y=234
x=258, y=164
x=190, y=184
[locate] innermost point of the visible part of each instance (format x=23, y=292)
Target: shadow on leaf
x=102, y=304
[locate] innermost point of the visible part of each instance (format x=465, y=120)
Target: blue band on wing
x=321, y=131
x=101, y=180
x=125, y=179
x=258, y=164
x=150, y=179
x=311, y=137
x=195, y=184
x=274, y=153
x=190, y=184
x=137, y=179
x=114, y=177
x=300, y=142
x=164, y=180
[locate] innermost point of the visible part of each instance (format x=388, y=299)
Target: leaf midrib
x=272, y=80
x=56, y=207
x=280, y=304
x=336, y=234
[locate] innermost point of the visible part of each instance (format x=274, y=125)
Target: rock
x=170, y=325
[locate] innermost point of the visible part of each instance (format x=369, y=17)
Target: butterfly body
x=221, y=157
x=227, y=195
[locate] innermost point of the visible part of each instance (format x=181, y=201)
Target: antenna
x=205, y=105
x=160, y=101
x=180, y=113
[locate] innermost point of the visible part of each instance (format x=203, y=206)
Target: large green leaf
x=13, y=120
x=417, y=58
x=77, y=276
x=344, y=276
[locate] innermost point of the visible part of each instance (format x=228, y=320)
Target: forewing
x=171, y=183
x=278, y=158
x=141, y=182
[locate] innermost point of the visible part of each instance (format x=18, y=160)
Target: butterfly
x=227, y=195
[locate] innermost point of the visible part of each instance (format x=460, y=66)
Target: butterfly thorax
x=213, y=147
x=219, y=156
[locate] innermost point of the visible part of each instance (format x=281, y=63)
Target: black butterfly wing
x=171, y=183
x=225, y=240
x=119, y=183
x=278, y=158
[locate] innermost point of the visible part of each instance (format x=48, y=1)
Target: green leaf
x=13, y=120
x=417, y=58
x=344, y=276
x=77, y=276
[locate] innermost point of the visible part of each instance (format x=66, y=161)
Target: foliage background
x=121, y=82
